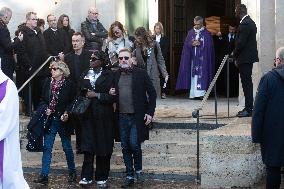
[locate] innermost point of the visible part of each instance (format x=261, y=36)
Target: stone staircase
x=169, y=154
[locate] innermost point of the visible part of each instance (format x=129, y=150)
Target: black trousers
x=245, y=74
x=76, y=124
x=102, y=167
x=273, y=177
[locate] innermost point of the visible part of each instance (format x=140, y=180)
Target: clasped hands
x=195, y=43
x=64, y=117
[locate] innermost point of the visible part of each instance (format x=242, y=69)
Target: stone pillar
x=279, y=27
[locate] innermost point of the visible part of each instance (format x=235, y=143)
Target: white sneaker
x=84, y=181
x=102, y=184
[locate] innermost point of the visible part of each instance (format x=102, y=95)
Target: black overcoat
x=64, y=103
x=144, y=99
x=268, y=117
x=245, y=51
x=6, y=50
x=98, y=121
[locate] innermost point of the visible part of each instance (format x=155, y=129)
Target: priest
x=197, y=63
x=11, y=172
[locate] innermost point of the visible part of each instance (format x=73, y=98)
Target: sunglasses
x=125, y=58
x=54, y=69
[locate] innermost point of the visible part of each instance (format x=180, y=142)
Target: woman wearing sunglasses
x=97, y=122
x=117, y=40
x=57, y=95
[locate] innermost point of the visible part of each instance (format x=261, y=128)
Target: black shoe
x=140, y=177
x=163, y=96
x=127, y=183
x=72, y=177
x=42, y=180
x=244, y=113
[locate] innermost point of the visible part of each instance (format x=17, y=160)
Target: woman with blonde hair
x=117, y=40
x=160, y=38
x=57, y=97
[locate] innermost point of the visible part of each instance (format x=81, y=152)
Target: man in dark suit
x=136, y=98
x=225, y=44
x=267, y=121
x=55, y=40
x=6, y=45
x=78, y=61
x=246, y=54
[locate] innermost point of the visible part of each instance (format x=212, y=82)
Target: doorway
x=177, y=17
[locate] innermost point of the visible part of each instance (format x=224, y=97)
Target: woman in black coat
x=57, y=95
x=97, y=122
x=268, y=121
x=63, y=24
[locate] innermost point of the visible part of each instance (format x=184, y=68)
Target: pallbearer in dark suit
x=246, y=54
x=226, y=44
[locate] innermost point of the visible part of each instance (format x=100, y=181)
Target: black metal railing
x=29, y=80
x=196, y=112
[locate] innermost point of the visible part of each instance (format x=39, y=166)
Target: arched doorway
x=177, y=17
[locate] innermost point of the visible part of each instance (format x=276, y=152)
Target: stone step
x=118, y=171
x=153, y=159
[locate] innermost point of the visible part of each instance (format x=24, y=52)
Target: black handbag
x=80, y=105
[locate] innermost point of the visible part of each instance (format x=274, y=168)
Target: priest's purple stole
x=2, y=95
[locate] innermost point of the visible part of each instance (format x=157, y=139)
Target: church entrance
x=177, y=18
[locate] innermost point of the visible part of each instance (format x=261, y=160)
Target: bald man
x=93, y=30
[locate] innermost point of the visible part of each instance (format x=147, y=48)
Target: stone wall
x=228, y=157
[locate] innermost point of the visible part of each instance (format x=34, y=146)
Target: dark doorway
x=177, y=17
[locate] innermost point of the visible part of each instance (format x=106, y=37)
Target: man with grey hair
x=32, y=54
x=93, y=30
x=6, y=45
x=197, y=63
x=267, y=121
x=246, y=54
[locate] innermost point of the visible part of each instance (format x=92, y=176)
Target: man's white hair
x=4, y=11
x=280, y=53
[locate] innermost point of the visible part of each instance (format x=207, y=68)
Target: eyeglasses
x=125, y=57
x=277, y=59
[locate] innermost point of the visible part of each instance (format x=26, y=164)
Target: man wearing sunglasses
x=93, y=30
x=136, y=99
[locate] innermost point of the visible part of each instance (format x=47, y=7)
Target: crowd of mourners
x=115, y=77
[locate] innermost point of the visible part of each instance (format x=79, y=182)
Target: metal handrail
x=195, y=113
x=212, y=84
x=36, y=72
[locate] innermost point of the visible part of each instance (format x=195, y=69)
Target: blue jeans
x=131, y=148
x=48, y=145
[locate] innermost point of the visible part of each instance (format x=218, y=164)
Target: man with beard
x=136, y=102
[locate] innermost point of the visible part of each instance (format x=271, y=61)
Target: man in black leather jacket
x=93, y=30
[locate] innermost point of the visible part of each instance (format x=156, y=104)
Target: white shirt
x=243, y=18
x=158, y=38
